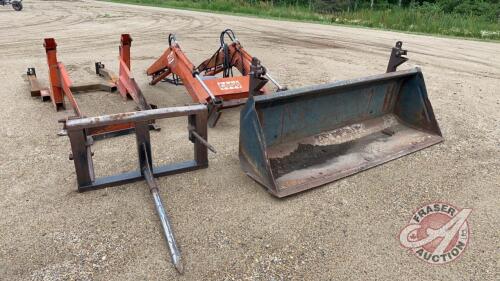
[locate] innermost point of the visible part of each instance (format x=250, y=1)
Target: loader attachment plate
x=299, y=139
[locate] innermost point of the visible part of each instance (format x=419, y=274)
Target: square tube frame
x=81, y=144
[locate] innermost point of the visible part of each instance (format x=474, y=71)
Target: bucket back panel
x=318, y=111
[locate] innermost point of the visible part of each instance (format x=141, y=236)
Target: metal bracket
x=102, y=71
x=36, y=88
x=214, y=112
x=257, y=81
x=98, y=67
x=175, y=80
x=397, y=58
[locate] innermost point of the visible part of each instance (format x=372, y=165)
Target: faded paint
x=295, y=140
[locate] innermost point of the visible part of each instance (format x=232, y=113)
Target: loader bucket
x=298, y=139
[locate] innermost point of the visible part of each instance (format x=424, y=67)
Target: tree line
x=486, y=8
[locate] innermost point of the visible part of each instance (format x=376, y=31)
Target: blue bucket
x=298, y=139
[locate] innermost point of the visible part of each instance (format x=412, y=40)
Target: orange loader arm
x=201, y=83
x=201, y=89
x=238, y=58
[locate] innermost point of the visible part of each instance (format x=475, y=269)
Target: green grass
x=408, y=20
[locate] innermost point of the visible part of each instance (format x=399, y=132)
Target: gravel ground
x=228, y=227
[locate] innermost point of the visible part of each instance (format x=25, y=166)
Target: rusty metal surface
x=294, y=140
x=397, y=57
x=93, y=87
x=101, y=70
x=36, y=88
x=338, y=153
x=79, y=128
x=135, y=116
x=175, y=254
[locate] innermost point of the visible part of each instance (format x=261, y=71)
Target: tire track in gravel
x=279, y=35
x=54, y=21
x=151, y=26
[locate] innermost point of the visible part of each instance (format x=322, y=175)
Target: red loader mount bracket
x=125, y=82
x=200, y=82
x=62, y=86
